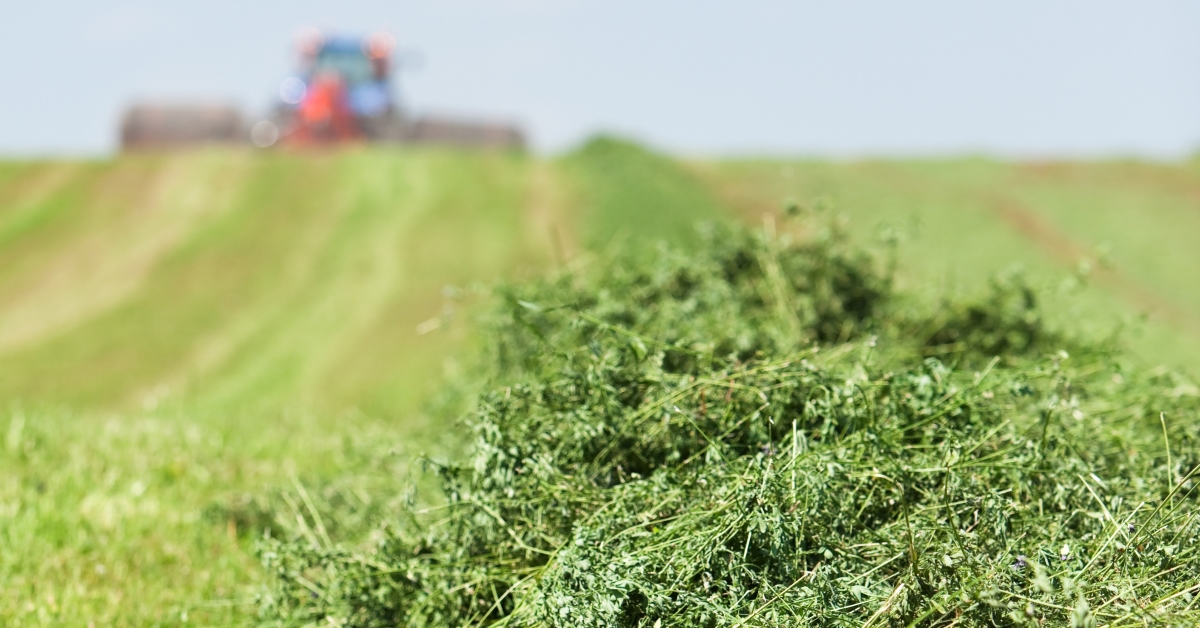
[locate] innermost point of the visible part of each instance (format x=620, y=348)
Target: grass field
x=182, y=330
x=1112, y=244
x=185, y=336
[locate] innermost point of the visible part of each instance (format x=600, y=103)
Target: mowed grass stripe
x=280, y=287
x=348, y=278
x=45, y=193
x=474, y=227
x=98, y=360
x=101, y=251
x=316, y=296
x=295, y=293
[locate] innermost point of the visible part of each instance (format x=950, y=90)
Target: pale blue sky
x=844, y=78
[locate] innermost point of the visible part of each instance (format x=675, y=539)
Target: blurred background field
x=1111, y=244
x=186, y=335
x=202, y=341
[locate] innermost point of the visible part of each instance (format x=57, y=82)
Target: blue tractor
x=342, y=92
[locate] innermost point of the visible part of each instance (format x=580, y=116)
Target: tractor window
x=354, y=67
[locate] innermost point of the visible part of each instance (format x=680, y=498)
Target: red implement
x=324, y=116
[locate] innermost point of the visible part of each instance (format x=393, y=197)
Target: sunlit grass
x=1112, y=247
x=273, y=339
x=184, y=336
x=116, y=520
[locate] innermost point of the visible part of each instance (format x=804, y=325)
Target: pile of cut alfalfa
x=763, y=433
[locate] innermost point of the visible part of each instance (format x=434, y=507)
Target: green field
x=184, y=338
x=1112, y=244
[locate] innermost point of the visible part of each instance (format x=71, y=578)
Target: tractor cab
x=342, y=92
x=362, y=65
